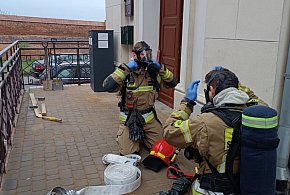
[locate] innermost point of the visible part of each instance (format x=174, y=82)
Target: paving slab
x=46, y=154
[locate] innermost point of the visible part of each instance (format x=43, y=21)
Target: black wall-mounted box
x=127, y=35
x=101, y=44
x=129, y=8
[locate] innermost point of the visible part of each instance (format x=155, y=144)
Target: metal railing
x=16, y=62
x=10, y=86
x=67, y=60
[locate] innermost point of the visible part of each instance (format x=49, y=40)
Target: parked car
x=37, y=68
x=68, y=73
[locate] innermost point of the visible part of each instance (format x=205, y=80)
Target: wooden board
x=43, y=109
x=34, y=104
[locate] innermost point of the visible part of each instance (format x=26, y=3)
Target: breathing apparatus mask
x=144, y=57
x=206, y=91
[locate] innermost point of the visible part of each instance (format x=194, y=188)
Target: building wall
x=244, y=36
x=145, y=22
x=250, y=37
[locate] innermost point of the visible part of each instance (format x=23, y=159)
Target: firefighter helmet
x=160, y=155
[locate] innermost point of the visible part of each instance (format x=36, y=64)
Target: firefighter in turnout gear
x=138, y=82
x=210, y=133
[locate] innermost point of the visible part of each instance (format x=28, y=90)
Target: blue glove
x=217, y=68
x=191, y=92
x=156, y=64
x=132, y=65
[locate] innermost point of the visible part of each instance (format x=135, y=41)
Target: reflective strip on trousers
x=147, y=117
x=260, y=123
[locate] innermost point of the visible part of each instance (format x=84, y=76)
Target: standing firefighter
x=211, y=133
x=139, y=82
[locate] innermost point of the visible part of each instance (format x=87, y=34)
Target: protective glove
x=156, y=65
x=191, y=92
x=217, y=68
x=132, y=65
x=179, y=186
x=135, y=124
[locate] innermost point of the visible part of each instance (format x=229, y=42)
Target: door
x=170, y=42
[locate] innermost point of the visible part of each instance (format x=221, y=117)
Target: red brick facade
x=31, y=28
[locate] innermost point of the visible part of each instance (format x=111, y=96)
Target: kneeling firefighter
x=215, y=135
x=138, y=82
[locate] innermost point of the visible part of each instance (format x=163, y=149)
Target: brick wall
x=31, y=28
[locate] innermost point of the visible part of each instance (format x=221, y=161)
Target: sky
x=91, y=10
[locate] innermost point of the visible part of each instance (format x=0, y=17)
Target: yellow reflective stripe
x=158, y=78
x=166, y=75
x=254, y=101
x=183, y=126
x=260, y=123
x=158, y=154
x=180, y=113
x=147, y=117
x=131, y=85
x=243, y=88
x=194, y=192
x=221, y=168
x=142, y=89
x=119, y=73
x=228, y=137
x=122, y=117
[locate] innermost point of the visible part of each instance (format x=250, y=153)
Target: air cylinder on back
x=259, y=142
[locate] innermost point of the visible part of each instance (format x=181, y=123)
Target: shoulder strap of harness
x=121, y=104
x=152, y=73
x=232, y=116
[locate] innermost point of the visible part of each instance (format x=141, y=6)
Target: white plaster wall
x=259, y=19
x=193, y=36
x=145, y=22
x=186, y=52
x=221, y=18
x=151, y=19
x=254, y=62
x=243, y=35
x=113, y=22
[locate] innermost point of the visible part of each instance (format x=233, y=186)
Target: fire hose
x=121, y=177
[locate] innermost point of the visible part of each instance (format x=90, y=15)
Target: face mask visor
x=206, y=91
x=144, y=54
x=147, y=55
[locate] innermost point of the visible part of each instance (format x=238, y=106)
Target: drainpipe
x=282, y=171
